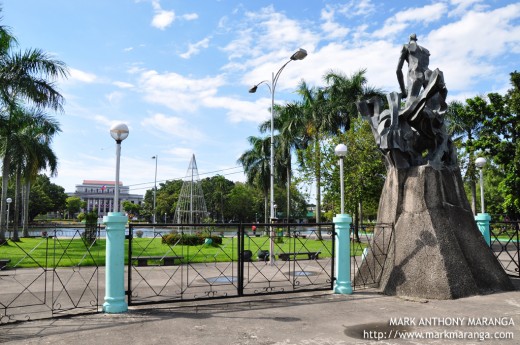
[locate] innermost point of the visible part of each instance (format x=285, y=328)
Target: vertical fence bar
x=240, y=245
x=129, y=274
x=333, y=259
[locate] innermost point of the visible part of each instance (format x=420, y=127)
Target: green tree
x=465, y=124
x=500, y=139
x=131, y=209
x=46, y=197
x=256, y=166
x=73, y=205
x=24, y=77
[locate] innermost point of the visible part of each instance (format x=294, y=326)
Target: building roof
x=101, y=182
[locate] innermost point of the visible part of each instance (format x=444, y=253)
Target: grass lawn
x=66, y=252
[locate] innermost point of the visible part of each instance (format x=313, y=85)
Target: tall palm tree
x=24, y=77
x=29, y=150
x=256, y=165
x=343, y=92
x=465, y=123
x=288, y=122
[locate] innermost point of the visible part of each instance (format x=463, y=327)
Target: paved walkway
x=305, y=318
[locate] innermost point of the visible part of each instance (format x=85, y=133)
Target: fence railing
x=197, y=261
x=50, y=275
x=505, y=244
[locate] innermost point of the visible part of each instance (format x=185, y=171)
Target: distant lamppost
x=165, y=217
x=115, y=297
x=9, y=201
x=119, y=132
x=480, y=162
x=342, y=221
x=156, y=157
x=299, y=55
x=341, y=152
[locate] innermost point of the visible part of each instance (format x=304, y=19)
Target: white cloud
x=401, y=20
x=115, y=97
x=172, y=126
x=332, y=28
x=162, y=19
x=177, y=92
x=194, y=48
x=190, y=16
x=81, y=76
x=123, y=85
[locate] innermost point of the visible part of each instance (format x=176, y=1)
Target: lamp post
x=115, y=240
x=119, y=132
x=298, y=55
x=9, y=201
x=480, y=162
x=341, y=152
x=156, y=157
x=342, y=283
x=483, y=218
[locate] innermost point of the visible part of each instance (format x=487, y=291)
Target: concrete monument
x=436, y=250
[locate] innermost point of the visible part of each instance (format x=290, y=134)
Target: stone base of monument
x=436, y=251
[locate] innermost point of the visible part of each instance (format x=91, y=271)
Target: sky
x=178, y=72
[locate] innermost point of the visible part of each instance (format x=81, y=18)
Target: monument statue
x=437, y=250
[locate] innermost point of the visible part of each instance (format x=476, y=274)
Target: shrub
x=189, y=240
x=139, y=233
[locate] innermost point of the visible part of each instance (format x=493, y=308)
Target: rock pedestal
x=436, y=250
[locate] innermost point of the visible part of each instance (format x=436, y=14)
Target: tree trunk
x=25, y=217
x=17, y=203
x=3, y=214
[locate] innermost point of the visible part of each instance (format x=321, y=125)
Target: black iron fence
x=54, y=272
x=506, y=246
x=371, y=246
x=199, y=261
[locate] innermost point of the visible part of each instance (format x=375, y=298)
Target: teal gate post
x=342, y=284
x=483, y=225
x=115, y=263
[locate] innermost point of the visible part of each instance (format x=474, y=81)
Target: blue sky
x=178, y=72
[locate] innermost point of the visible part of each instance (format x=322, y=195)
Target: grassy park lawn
x=66, y=252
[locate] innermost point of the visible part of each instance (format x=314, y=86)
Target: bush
x=139, y=233
x=189, y=240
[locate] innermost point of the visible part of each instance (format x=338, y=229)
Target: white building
x=100, y=195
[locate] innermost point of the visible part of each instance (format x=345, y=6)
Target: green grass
x=42, y=252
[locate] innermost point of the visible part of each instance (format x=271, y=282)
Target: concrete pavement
x=317, y=318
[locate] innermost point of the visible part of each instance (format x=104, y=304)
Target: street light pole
x=480, y=162
x=298, y=55
x=119, y=132
x=156, y=157
x=9, y=201
x=341, y=152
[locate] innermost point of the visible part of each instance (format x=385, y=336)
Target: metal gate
x=505, y=244
x=52, y=273
x=372, y=245
x=175, y=262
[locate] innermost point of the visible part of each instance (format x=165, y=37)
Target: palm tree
x=256, y=165
x=288, y=122
x=24, y=76
x=343, y=92
x=465, y=123
x=29, y=151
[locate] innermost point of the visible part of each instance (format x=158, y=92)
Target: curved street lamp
x=119, y=132
x=480, y=162
x=341, y=152
x=298, y=55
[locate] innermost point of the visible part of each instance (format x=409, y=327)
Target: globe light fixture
x=341, y=152
x=119, y=132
